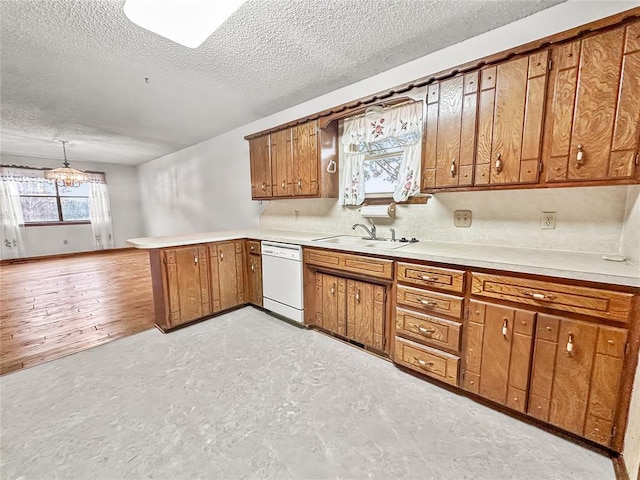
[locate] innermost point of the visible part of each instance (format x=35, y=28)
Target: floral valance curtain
x=20, y=174
x=401, y=127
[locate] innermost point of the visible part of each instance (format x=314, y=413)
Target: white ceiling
x=76, y=69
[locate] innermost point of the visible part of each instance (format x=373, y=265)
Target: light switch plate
x=462, y=218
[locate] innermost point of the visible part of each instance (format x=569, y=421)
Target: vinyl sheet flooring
x=245, y=395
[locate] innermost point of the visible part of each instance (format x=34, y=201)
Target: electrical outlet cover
x=548, y=221
x=462, y=218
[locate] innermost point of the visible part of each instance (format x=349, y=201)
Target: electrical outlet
x=548, y=221
x=462, y=218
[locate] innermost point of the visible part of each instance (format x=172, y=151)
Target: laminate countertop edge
x=590, y=267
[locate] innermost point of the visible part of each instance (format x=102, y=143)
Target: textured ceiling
x=75, y=70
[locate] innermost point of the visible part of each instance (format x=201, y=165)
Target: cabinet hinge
x=550, y=64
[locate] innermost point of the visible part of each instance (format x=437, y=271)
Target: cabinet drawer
x=253, y=247
x=427, y=301
x=367, y=266
x=426, y=360
x=430, y=330
x=422, y=275
x=569, y=298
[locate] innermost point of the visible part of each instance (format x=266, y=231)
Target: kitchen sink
x=381, y=243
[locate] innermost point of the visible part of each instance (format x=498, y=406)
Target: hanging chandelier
x=66, y=176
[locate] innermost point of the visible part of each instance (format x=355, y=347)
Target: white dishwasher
x=282, y=280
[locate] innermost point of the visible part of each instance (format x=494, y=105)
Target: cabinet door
x=510, y=118
x=366, y=313
x=575, y=376
x=450, y=132
x=596, y=107
x=330, y=311
x=186, y=284
x=255, y=279
x=260, y=167
x=227, y=278
x=499, y=342
x=281, y=166
x=305, y=159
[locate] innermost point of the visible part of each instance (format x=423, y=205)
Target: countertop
x=570, y=265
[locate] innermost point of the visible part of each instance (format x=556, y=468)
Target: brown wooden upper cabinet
x=300, y=161
x=594, y=111
x=450, y=132
x=260, y=167
x=510, y=119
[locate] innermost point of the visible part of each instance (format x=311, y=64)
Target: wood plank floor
x=57, y=306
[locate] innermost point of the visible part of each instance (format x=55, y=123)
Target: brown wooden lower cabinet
x=255, y=279
x=576, y=374
x=185, y=284
x=350, y=308
x=226, y=260
x=429, y=361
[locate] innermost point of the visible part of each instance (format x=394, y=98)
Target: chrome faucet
x=370, y=231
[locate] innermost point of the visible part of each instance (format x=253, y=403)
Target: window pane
x=380, y=174
x=39, y=209
x=81, y=190
x=74, y=208
x=36, y=187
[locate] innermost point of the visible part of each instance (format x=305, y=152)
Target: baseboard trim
x=10, y=261
x=619, y=468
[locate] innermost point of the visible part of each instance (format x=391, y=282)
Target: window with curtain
x=29, y=199
x=381, y=154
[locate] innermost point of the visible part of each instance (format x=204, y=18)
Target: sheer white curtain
x=12, y=221
x=401, y=127
x=100, y=215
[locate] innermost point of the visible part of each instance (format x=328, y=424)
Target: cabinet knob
x=580, y=156
x=453, y=167
x=570, y=344
x=499, y=164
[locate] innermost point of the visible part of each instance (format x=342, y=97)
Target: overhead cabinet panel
x=304, y=176
x=450, y=132
x=260, y=167
x=281, y=163
x=596, y=107
x=510, y=120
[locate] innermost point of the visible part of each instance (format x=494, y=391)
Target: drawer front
x=422, y=275
x=430, y=302
x=427, y=329
x=253, y=247
x=568, y=298
x=426, y=360
x=358, y=264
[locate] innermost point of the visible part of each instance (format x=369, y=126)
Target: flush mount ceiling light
x=187, y=22
x=66, y=176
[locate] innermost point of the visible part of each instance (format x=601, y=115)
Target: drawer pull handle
x=358, y=296
x=300, y=183
x=252, y=247
x=426, y=331
x=580, y=156
x=264, y=186
x=195, y=259
x=221, y=256
x=429, y=279
x=253, y=267
x=333, y=289
x=504, y=328
x=423, y=364
x=539, y=296
x=284, y=184
x=453, y=167
x=570, y=344
x=428, y=303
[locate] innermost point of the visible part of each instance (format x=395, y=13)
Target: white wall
x=631, y=447
x=124, y=196
x=631, y=227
